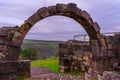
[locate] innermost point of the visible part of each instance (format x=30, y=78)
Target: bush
x=20, y=77
x=28, y=53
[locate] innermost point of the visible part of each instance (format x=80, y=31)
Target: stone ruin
x=78, y=54
x=96, y=56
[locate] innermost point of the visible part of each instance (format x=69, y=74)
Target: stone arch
x=70, y=10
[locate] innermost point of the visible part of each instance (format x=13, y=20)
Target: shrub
x=28, y=53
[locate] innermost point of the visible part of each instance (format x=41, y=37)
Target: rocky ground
x=45, y=74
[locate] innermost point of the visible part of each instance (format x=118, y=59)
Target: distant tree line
x=28, y=53
x=32, y=54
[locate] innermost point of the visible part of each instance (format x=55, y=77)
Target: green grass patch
x=50, y=63
x=20, y=77
x=95, y=77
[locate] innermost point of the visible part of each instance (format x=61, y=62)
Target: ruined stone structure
x=9, y=70
x=11, y=39
x=75, y=55
x=70, y=10
x=78, y=55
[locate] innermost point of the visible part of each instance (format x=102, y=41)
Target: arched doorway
x=70, y=10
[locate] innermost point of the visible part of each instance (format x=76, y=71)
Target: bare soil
x=38, y=73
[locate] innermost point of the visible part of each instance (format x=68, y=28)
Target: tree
x=28, y=53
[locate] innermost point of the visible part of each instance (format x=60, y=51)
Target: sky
x=105, y=12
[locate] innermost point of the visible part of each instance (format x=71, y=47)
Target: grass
x=20, y=77
x=50, y=63
x=110, y=69
x=95, y=77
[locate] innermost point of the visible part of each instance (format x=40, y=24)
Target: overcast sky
x=15, y=12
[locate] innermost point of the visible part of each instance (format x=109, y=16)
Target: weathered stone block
x=62, y=69
x=2, y=47
x=110, y=46
x=4, y=40
x=3, y=32
x=63, y=46
x=79, y=58
x=24, y=68
x=98, y=35
x=17, y=39
x=109, y=39
x=117, y=38
x=78, y=12
x=95, y=51
x=10, y=69
x=74, y=57
x=90, y=21
x=24, y=28
x=103, y=42
x=12, y=53
x=96, y=27
x=85, y=58
x=61, y=8
x=33, y=19
x=85, y=15
x=111, y=53
x=72, y=7
x=43, y=12
x=52, y=10
x=110, y=76
x=2, y=56
x=78, y=52
x=88, y=76
x=7, y=67
x=94, y=43
x=63, y=50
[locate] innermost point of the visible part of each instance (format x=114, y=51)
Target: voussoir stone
x=61, y=8
x=17, y=39
x=90, y=21
x=43, y=12
x=85, y=15
x=52, y=10
x=78, y=12
x=33, y=19
x=96, y=27
x=72, y=7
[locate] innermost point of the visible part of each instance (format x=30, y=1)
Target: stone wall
x=82, y=56
x=75, y=55
x=6, y=35
x=108, y=75
x=9, y=70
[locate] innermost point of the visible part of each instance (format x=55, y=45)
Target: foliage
x=44, y=48
x=110, y=69
x=20, y=77
x=57, y=54
x=50, y=63
x=28, y=53
x=95, y=77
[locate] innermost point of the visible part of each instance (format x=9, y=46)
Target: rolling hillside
x=44, y=48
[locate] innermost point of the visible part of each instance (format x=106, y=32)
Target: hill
x=44, y=48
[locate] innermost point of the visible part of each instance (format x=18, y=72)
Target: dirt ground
x=38, y=73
